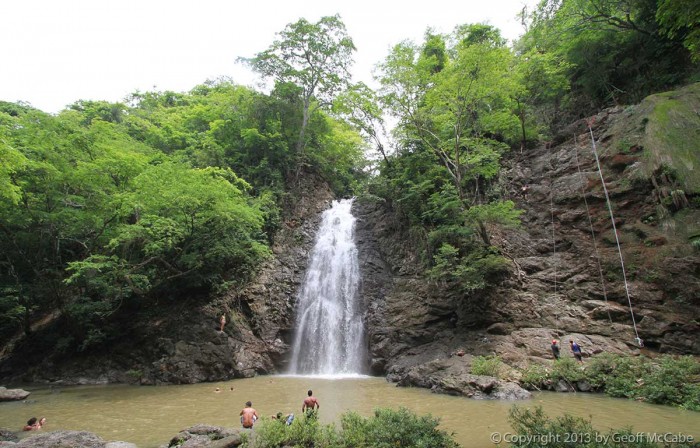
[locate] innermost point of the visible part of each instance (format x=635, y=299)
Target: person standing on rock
x=310, y=405
x=248, y=415
x=576, y=350
x=222, y=322
x=555, y=349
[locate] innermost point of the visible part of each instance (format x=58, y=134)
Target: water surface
x=150, y=416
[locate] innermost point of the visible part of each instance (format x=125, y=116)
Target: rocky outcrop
x=13, y=394
x=8, y=436
x=55, y=439
x=649, y=160
x=452, y=376
x=206, y=436
x=198, y=436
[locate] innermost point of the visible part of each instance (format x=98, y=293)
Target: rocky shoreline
x=197, y=436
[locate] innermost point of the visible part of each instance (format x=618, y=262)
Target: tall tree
x=360, y=106
x=316, y=57
x=454, y=106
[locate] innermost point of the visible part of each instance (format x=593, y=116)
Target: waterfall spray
x=329, y=336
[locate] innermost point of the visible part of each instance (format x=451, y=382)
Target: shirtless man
x=31, y=425
x=310, y=404
x=248, y=415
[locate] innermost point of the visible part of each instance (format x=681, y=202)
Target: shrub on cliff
x=487, y=366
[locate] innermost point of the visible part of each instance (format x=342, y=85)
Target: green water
x=151, y=416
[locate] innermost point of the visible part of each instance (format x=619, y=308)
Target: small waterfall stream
x=329, y=336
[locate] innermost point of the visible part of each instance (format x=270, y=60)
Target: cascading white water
x=329, y=338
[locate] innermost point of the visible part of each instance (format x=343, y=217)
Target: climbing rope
x=554, y=239
x=590, y=224
x=617, y=239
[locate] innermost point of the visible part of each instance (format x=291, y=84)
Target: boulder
x=564, y=386
x=202, y=435
x=451, y=376
x=56, y=439
x=13, y=394
x=7, y=435
x=583, y=386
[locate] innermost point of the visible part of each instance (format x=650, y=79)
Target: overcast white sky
x=55, y=52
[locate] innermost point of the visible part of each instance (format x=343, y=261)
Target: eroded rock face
x=554, y=289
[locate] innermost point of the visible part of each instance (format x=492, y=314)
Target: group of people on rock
x=575, y=350
x=34, y=424
x=309, y=408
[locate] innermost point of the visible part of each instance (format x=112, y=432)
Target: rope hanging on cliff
x=590, y=224
x=554, y=238
x=617, y=239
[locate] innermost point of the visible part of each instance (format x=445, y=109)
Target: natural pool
x=150, y=416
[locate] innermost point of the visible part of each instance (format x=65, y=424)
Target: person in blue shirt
x=576, y=350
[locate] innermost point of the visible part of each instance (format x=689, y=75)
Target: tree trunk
x=301, y=144
x=522, y=126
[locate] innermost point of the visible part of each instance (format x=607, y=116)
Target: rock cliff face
x=649, y=156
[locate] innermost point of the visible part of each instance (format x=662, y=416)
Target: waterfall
x=329, y=336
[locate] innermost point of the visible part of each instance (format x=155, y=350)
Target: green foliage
x=541, y=85
x=567, y=369
x=532, y=427
x=472, y=271
x=14, y=311
x=666, y=380
x=534, y=376
x=680, y=19
x=391, y=428
x=452, y=97
x=86, y=323
x=614, y=51
x=169, y=195
x=303, y=432
x=487, y=366
x=387, y=428
x=315, y=57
